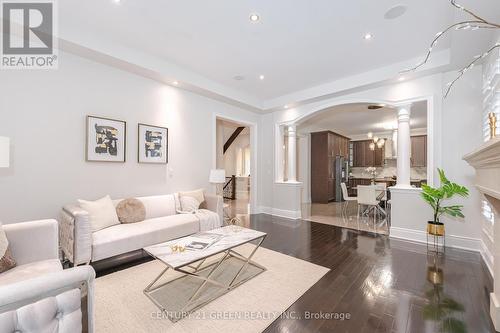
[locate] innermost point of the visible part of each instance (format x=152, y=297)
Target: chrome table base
x=206, y=275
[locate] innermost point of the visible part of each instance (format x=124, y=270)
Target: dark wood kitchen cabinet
x=325, y=147
x=379, y=156
x=419, y=151
x=363, y=156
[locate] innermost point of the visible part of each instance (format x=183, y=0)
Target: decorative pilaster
x=403, y=147
x=292, y=153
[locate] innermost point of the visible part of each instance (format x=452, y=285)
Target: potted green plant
x=436, y=197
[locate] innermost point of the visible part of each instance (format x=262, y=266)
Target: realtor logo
x=28, y=30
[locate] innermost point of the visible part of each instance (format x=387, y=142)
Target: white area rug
x=122, y=307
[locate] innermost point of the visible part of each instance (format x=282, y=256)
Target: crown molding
x=161, y=70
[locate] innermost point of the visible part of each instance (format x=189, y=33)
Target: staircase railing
x=230, y=188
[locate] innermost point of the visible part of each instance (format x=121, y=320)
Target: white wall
x=43, y=112
x=461, y=133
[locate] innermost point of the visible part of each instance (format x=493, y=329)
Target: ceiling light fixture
x=401, y=78
x=368, y=36
x=286, y=106
x=261, y=77
x=175, y=83
x=116, y=1
x=254, y=17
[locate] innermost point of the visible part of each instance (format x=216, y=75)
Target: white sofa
x=38, y=295
x=162, y=223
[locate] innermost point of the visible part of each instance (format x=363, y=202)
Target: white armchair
x=38, y=295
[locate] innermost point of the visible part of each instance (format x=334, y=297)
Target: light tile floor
x=331, y=213
x=239, y=208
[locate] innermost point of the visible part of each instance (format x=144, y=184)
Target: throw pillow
x=197, y=194
x=6, y=260
x=102, y=213
x=131, y=211
x=189, y=204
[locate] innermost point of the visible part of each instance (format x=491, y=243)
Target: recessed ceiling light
x=175, y=83
x=395, y=12
x=286, y=106
x=368, y=36
x=261, y=77
x=116, y=1
x=254, y=17
x=401, y=78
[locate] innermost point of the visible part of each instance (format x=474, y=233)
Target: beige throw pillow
x=197, y=194
x=131, y=211
x=102, y=213
x=6, y=260
x=189, y=204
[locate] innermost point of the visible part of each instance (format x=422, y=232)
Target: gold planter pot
x=436, y=233
x=435, y=228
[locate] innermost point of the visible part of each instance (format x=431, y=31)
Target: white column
x=403, y=147
x=292, y=154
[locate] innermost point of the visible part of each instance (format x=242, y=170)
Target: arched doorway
x=350, y=128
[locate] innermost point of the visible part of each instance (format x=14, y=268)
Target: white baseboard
x=289, y=214
x=459, y=242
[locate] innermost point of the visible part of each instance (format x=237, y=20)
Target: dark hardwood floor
x=380, y=283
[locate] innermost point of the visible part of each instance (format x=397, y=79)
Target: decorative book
x=201, y=241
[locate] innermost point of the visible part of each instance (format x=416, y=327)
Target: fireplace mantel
x=485, y=157
x=486, y=161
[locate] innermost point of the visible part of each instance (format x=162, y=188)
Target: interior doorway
x=234, y=155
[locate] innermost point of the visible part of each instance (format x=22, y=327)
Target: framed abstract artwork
x=106, y=140
x=153, y=144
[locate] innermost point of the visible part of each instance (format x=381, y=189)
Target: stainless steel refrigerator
x=341, y=176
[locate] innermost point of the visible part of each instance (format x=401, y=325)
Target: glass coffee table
x=195, y=275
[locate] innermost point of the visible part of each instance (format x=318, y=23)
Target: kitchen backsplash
x=388, y=171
